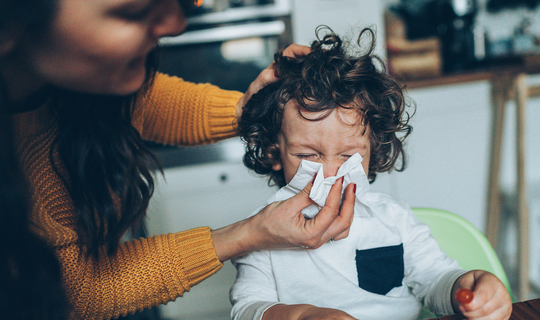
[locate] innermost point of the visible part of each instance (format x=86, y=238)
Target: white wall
x=448, y=151
x=345, y=17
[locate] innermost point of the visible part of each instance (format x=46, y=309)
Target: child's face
x=330, y=141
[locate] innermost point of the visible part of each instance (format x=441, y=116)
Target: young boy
x=337, y=116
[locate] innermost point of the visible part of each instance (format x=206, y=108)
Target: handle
x=226, y=33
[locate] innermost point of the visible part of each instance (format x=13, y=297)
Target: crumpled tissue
x=351, y=170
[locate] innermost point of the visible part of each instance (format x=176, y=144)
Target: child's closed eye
x=306, y=156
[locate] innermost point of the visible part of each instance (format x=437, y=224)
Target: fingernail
x=315, y=176
x=354, y=188
x=342, y=179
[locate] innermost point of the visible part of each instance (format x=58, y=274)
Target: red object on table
x=464, y=296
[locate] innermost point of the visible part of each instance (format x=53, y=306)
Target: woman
x=78, y=83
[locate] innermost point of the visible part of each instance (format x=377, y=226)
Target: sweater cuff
x=197, y=256
x=222, y=114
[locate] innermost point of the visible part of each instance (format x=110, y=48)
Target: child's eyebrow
x=300, y=144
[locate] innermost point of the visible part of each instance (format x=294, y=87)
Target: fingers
x=488, y=305
x=264, y=78
x=339, y=229
x=335, y=220
x=491, y=298
x=296, y=51
x=268, y=75
x=346, y=214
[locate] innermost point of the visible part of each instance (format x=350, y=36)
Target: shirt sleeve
x=429, y=272
x=254, y=290
x=176, y=112
x=439, y=298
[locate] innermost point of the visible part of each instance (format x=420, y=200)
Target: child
x=337, y=116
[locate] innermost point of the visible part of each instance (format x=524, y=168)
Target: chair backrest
x=462, y=242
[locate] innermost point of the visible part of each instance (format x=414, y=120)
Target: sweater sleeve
x=177, y=112
x=143, y=273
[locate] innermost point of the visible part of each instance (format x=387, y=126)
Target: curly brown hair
x=328, y=78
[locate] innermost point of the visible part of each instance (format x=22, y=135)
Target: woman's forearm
x=233, y=240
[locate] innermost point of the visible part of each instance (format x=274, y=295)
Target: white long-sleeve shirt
x=387, y=268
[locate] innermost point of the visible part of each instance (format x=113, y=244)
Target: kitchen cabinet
x=213, y=194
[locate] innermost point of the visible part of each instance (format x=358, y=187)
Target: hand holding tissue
x=351, y=170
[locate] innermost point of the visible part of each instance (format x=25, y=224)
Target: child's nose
x=331, y=168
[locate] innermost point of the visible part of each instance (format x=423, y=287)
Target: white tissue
x=351, y=170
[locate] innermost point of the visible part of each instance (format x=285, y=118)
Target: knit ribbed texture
x=181, y=119
x=146, y=272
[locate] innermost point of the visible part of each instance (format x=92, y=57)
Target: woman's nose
x=170, y=20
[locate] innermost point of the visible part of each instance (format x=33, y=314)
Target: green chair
x=462, y=242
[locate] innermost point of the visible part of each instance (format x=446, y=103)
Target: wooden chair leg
x=499, y=98
x=521, y=91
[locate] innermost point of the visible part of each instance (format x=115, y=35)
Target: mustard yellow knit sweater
x=146, y=272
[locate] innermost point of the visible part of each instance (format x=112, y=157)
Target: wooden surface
x=522, y=65
x=527, y=310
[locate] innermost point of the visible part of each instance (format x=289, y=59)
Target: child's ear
x=277, y=165
x=273, y=152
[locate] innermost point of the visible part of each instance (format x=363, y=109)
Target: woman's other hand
x=491, y=299
x=281, y=224
x=304, y=312
x=268, y=75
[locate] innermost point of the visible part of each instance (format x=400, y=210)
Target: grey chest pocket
x=380, y=269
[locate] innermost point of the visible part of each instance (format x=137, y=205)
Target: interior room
x=473, y=74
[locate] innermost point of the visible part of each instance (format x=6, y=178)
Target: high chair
x=462, y=242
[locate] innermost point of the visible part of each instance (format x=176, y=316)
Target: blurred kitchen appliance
x=463, y=43
x=498, y=5
x=456, y=29
x=227, y=42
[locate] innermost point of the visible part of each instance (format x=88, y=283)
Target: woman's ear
x=8, y=37
x=6, y=44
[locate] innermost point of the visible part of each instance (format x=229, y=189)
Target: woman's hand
x=304, y=312
x=491, y=299
x=281, y=224
x=268, y=75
